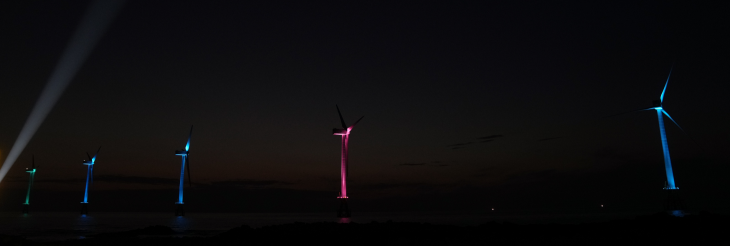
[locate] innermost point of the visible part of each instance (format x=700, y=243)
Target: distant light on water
x=89, y=31
x=343, y=220
x=678, y=213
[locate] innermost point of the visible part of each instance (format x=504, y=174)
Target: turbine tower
x=179, y=211
x=673, y=201
x=30, y=171
x=89, y=180
x=344, y=210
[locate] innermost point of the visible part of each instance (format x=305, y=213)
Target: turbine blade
x=358, y=120
x=87, y=155
x=344, y=126
x=187, y=146
x=190, y=181
x=33, y=162
x=670, y=117
x=685, y=133
x=661, y=98
x=97, y=153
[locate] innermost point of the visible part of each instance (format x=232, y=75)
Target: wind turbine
x=89, y=180
x=344, y=211
x=30, y=171
x=667, y=160
x=673, y=202
x=179, y=211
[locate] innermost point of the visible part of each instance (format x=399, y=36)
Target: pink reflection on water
x=343, y=221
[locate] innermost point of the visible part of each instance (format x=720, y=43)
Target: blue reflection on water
x=180, y=224
x=677, y=213
x=84, y=225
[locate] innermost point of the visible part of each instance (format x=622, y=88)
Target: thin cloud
x=548, y=139
x=412, y=164
x=135, y=179
x=533, y=176
x=459, y=144
x=61, y=181
x=250, y=183
x=110, y=179
x=492, y=136
x=420, y=164
x=485, y=139
x=384, y=186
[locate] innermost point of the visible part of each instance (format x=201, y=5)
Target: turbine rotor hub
x=657, y=103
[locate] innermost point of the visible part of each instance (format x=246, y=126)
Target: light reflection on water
x=180, y=224
x=60, y=226
x=84, y=225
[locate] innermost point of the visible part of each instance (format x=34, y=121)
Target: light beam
x=95, y=21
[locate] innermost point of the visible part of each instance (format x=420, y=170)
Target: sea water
x=52, y=226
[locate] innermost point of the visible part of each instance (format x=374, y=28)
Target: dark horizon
x=467, y=106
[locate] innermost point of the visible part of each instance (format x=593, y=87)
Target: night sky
x=467, y=106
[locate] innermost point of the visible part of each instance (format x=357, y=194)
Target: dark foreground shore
x=660, y=228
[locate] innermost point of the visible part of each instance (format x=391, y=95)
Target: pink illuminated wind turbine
x=344, y=211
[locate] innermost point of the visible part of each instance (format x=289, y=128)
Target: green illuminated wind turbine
x=30, y=171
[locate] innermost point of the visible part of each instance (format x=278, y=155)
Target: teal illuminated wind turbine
x=673, y=202
x=667, y=161
x=30, y=171
x=179, y=211
x=89, y=179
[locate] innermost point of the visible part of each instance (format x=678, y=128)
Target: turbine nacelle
x=91, y=159
x=181, y=152
x=29, y=170
x=340, y=132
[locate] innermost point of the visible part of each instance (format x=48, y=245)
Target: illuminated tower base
x=674, y=202
x=84, y=208
x=344, y=210
x=179, y=210
x=25, y=208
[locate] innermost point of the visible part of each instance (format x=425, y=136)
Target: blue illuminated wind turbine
x=667, y=161
x=179, y=211
x=30, y=171
x=89, y=179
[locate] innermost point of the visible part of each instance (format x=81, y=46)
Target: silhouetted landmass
x=158, y=230
x=657, y=229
